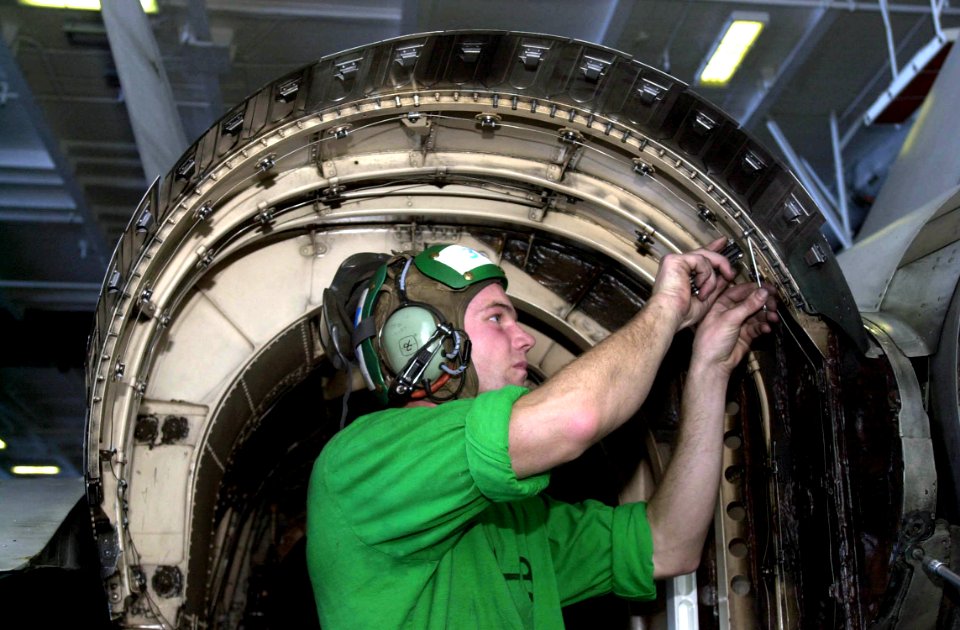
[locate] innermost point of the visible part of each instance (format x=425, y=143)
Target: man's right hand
x=707, y=268
x=741, y=314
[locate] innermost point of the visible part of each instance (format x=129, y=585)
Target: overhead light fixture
x=726, y=54
x=149, y=6
x=35, y=470
x=3, y=445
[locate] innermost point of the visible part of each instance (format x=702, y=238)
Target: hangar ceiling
x=73, y=118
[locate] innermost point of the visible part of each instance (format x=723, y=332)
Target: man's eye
x=496, y=318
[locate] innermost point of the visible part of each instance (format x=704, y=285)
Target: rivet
x=468, y=276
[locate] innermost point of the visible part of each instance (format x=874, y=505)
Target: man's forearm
x=593, y=395
x=682, y=507
x=614, y=378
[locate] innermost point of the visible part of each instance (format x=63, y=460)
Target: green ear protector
x=419, y=347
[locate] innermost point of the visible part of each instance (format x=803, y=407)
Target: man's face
x=499, y=344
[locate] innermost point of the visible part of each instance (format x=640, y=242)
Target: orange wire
x=437, y=384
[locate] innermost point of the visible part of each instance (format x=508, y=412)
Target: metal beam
x=109, y=101
x=208, y=59
x=838, y=172
x=891, y=49
x=153, y=114
x=114, y=180
x=23, y=216
x=198, y=20
x=936, y=8
x=96, y=243
x=811, y=187
x=50, y=286
x=817, y=26
x=45, y=178
x=839, y=5
x=869, y=88
x=911, y=70
x=677, y=27
x=52, y=295
x=5, y=94
x=26, y=158
x=822, y=187
x=321, y=10
x=37, y=197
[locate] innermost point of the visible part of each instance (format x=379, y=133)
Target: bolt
x=203, y=212
x=642, y=168
x=488, y=121
x=267, y=163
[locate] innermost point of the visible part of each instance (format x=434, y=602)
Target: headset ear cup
x=404, y=333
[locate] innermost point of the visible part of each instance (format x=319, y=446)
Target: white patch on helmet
x=462, y=259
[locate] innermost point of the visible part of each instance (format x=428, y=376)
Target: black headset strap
x=366, y=329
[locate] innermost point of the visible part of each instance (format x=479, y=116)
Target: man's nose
x=523, y=339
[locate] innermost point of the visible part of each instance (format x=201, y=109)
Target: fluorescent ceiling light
x=725, y=56
x=3, y=445
x=35, y=470
x=149, y=6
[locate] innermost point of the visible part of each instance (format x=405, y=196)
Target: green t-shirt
x=415, y=519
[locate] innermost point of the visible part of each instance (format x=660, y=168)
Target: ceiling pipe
x=153, y=114
x=197, y=39
x=805, y=179
x=614, y=23
x=328, y=11
x=677, y=25
x=936, y=8
x=869, y=88
x=23, y=216
x=846, y=7
x=838, y=173
x=884, y=10
x=821, y=186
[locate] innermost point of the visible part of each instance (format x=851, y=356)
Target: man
x=430, y=515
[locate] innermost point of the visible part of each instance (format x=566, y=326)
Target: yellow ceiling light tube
x=149, y=6
x=35, y=470
x=728, y=52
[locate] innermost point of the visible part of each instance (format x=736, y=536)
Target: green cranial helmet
x=409, y=336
